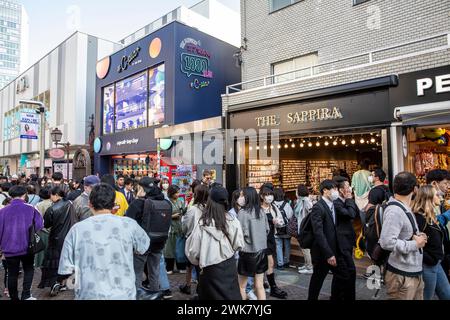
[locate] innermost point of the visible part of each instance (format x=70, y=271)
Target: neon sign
x=195, y=61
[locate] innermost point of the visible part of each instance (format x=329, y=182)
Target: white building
x=65, y=81
x=13, y=40
x=209, y=16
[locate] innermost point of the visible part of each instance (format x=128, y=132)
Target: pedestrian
x=34, y=181
x=121, y=184
x=346, y=211
x=282, y=238
x=14, y=179
x=81, y=204
x=274, y=217
x=189, y=221
x=190, y=197
x=326, y=252
x=128, y=191
x=5, y=275
x=33, y=198
x=302, y=208
x=400, y=236
x=212, y=245
x=434, y=276
x=148, y=190
x=121, y=202
x=361, y=184
x=165, y=184
x=59, y=218
x=99, y=251
x=15, y=222
x=4, y=188
x=58, y=181
x=42, y=207
x=174, y=250
x=76, y=188
x=253, y=260
x=380, y=192
x=207, y=178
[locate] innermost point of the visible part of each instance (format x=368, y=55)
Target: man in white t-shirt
x=99, y=251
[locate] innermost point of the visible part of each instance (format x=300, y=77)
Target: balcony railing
x=400, y=51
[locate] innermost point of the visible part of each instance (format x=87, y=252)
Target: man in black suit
x=128, y=190
x=326, y=252
x=346, y=211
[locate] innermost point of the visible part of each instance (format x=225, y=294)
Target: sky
x=52, y=21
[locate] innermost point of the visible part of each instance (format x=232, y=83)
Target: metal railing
x=413, y=48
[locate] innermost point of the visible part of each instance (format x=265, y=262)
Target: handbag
x=35, y=244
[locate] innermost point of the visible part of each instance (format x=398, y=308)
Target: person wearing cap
x=212, y=246
x=14, y=179
x=121, y=202
x=81, y=203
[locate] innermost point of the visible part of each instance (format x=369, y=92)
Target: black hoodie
x=433, y=252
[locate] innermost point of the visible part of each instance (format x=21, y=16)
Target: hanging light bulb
x=257, y=147
x=265, y=147
x=326, y=143
x=293, y=145
x=286, y=146
x=362, y=140
x=279, y=146
x=251, y=148
x=335, y=143
x=318, y=144
x=302, y=145
x=344, y=142
x=271, y=147
x=372, y=140
x=310, y=144
x=353, y=141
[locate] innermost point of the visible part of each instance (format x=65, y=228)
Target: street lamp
x=40, y=110
x=56, y=135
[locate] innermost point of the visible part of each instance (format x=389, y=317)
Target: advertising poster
x=157, y=93
x=131, y=107
x=62, y=167
x=29, y=126
x=108, y=109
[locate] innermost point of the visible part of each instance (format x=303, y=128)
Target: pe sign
x=29, y=126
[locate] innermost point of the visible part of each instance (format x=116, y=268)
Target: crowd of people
x=121, y=238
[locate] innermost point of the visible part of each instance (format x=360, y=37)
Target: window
x=302, y=63
x=136, y=102
x=355, y=2
x=280, y=4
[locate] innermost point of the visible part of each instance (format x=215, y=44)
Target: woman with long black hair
x=212, y=245
x=59, y=218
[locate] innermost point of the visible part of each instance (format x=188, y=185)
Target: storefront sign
x=129, y=142
x=29, y=126
x=345, y=111
x=97, y=145
x=421, y=87
x=124, y=142
x=128, y=60
x=197, y=84
x=195, y=61
x=57, y=153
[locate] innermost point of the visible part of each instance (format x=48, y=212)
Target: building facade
x=65, y=82
x=13, y=40
x=327, y=74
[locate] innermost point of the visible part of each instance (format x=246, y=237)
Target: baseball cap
x=91, y=181
x=15, y=177
x=148, y=183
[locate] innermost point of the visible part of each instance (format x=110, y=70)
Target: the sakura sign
x=195, y=63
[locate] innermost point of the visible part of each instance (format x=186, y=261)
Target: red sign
x=57, y=153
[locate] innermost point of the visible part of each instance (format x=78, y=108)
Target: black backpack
x=156, y=221
x=374, y=224
x=282, y=231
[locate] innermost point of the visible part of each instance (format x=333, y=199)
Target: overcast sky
x=52, y=21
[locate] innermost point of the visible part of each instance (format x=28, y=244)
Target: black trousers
x=344, y=278
x=13, y=275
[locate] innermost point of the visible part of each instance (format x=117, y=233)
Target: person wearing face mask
x=165, y=186
x=326, y=252
x=346, y=212
x=274, y=217
x=380, y=192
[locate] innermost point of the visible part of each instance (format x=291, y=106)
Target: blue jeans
x=250, y=283
x=163, y=279
x=180, y=256
x=283, y=259
x=435, y=282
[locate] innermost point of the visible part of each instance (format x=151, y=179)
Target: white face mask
x=371, y=179
x=165, y=186
x=334, y=195
x=241, y=202
x=269, y=199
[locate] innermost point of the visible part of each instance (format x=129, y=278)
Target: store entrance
x=311, y=159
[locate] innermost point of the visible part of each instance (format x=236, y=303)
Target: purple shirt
x=15, y=222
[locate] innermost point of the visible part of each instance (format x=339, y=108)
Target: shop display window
x=135, y=165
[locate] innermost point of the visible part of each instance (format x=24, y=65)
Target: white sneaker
x=251, y=296
x=31, y=299
x=301, y=268
x=169, y=272
x=306, y=271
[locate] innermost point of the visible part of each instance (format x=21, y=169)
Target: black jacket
x=345, y=213
x=325, y=243
x=433, y=251
x=74, y=194
x=59, y=218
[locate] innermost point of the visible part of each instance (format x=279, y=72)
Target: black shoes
x=55, y=290
x=278, y=293
x=167, y=294
x=186, y=289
